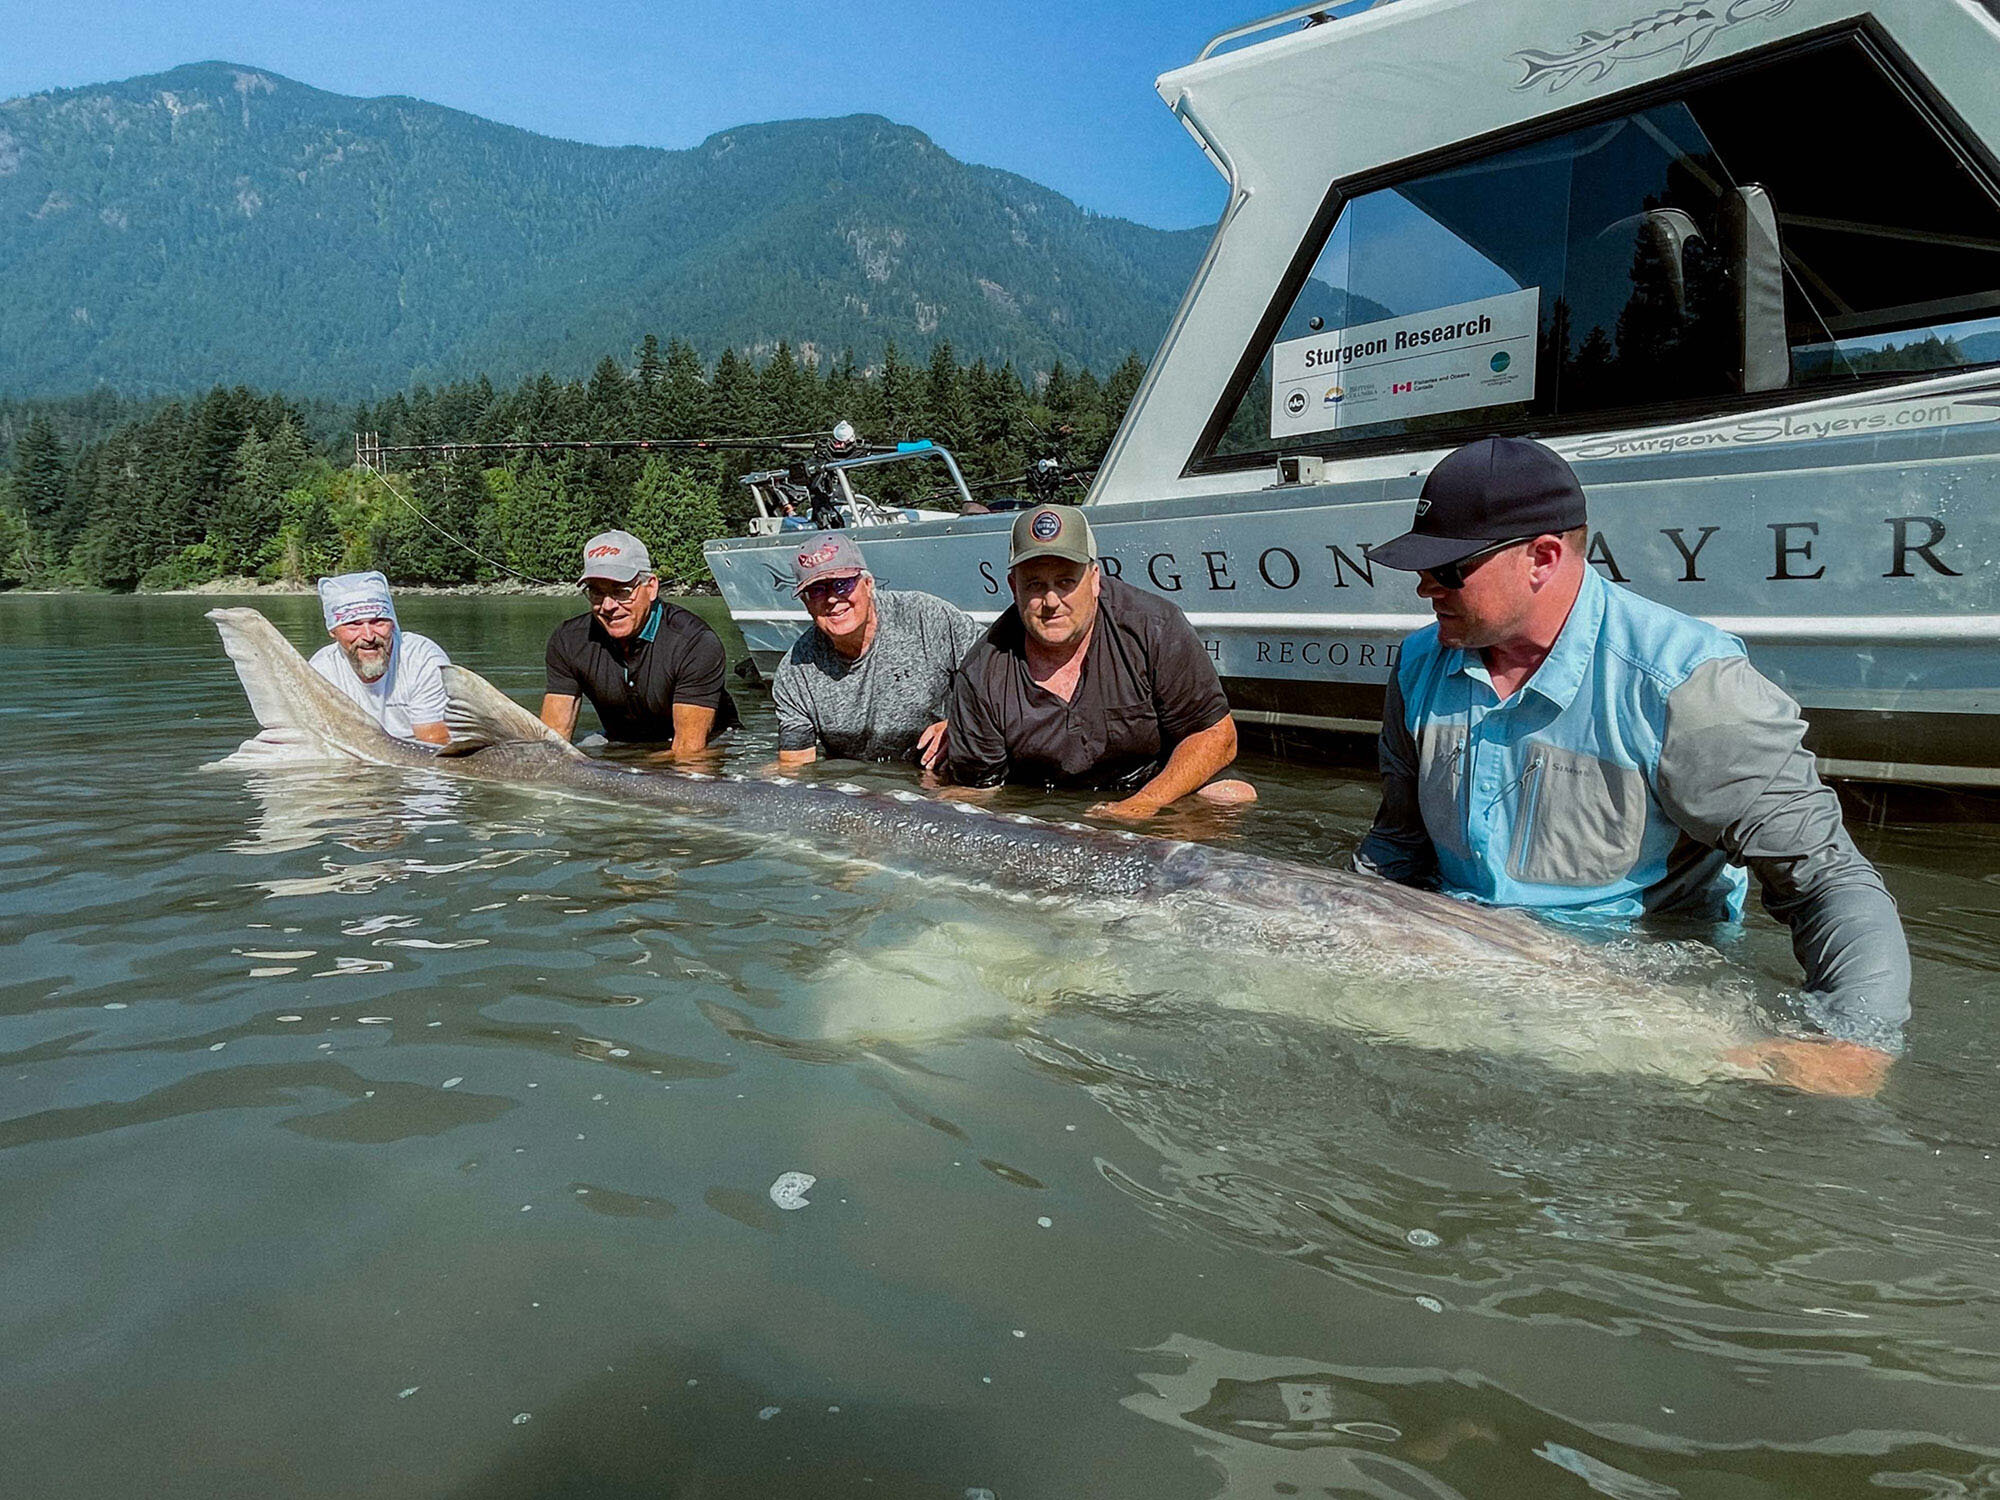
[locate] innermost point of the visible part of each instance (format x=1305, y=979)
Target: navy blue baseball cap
x=1493, y=490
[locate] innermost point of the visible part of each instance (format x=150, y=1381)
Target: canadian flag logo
x=1399, y=387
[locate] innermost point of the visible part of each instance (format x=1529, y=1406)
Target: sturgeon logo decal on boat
x=1689, y=27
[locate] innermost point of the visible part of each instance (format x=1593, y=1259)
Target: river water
x=379, y=1133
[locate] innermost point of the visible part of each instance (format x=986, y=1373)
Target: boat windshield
x=1791, y=224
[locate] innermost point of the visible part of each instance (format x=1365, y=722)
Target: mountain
x=221, y=223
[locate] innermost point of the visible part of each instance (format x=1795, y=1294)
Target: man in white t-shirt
x=392, y=673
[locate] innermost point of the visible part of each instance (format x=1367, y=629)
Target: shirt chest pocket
x=1580, y=823
x=1441, y=788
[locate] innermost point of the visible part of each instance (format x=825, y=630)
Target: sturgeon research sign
x=1453, y=358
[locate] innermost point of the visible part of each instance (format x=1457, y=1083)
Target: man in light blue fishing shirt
x=1557, y=742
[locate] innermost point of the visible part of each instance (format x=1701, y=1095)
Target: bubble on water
x=1020, y=1333
x=1423, y=1239
x=620, y=1052
x=289, y=1019
x=768, y=1412
x=279, y=953
x=120, y=1005
x=523, y=1418
x=1046, y=1222
x=273, y=971
x=978, y=1492
x=218, y=1046
x=833, y=1408
x=405, y=1395
x=1430, y=1304
x=789, y=1191
x=452, y=1083
x=373, y=1020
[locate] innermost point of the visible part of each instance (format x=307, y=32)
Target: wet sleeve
x=561, y=678
x=1734, y=774
x=1187, y=692
x=1398, y=847
x=428, y=698
x=797, y=729
x=976, y=748
x=698, y=676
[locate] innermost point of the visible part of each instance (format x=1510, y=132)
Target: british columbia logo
x=1688, y=28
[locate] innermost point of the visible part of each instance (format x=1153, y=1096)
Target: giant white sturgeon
x=1373, y=924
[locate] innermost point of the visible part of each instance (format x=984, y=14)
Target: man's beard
x=371, y=667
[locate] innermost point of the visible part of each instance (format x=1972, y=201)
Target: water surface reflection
x=387, y=1132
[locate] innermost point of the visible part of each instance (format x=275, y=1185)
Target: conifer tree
x=41, y=474
x=673, y=511
x=685, y=411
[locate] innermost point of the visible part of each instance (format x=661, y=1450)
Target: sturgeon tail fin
x=303, y=716
x=478, y=714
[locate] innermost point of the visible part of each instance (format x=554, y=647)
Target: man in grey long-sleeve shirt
x=1555, y=741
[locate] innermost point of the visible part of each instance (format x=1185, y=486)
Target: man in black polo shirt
x=1089, y=682
x=652, y=670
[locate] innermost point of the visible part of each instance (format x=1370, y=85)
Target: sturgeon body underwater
x=1466, y=977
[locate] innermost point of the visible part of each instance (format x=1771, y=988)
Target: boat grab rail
x=1313, y=15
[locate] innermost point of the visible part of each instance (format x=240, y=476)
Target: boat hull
x=1854, y=552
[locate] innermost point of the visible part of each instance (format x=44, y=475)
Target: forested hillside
x=221, y=224
x=110, y=494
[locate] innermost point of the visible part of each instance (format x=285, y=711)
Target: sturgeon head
x=302, y=716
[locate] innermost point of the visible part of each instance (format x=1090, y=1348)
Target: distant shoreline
x=510, y=588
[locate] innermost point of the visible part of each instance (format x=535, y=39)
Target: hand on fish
x=1822, y=1065
x=931, y=745
x=1134, y=809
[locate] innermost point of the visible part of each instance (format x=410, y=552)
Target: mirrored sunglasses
x=823, y=589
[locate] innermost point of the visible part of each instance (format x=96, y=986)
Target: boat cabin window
x=1786, y=227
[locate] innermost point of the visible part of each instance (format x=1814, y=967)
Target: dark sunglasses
x=823, y=589
x=1452, y=575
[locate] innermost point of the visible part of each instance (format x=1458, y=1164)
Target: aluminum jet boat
x=1737, y=260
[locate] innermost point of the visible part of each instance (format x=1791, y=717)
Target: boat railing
x=1312, y=15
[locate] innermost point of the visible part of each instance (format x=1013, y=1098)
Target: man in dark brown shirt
x=1089, y=682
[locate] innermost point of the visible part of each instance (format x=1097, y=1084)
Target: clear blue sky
x=1057, y=90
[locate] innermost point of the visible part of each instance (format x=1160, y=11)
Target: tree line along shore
x=109, y=492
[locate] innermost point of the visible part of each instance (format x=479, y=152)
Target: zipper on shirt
x=1530, y=783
